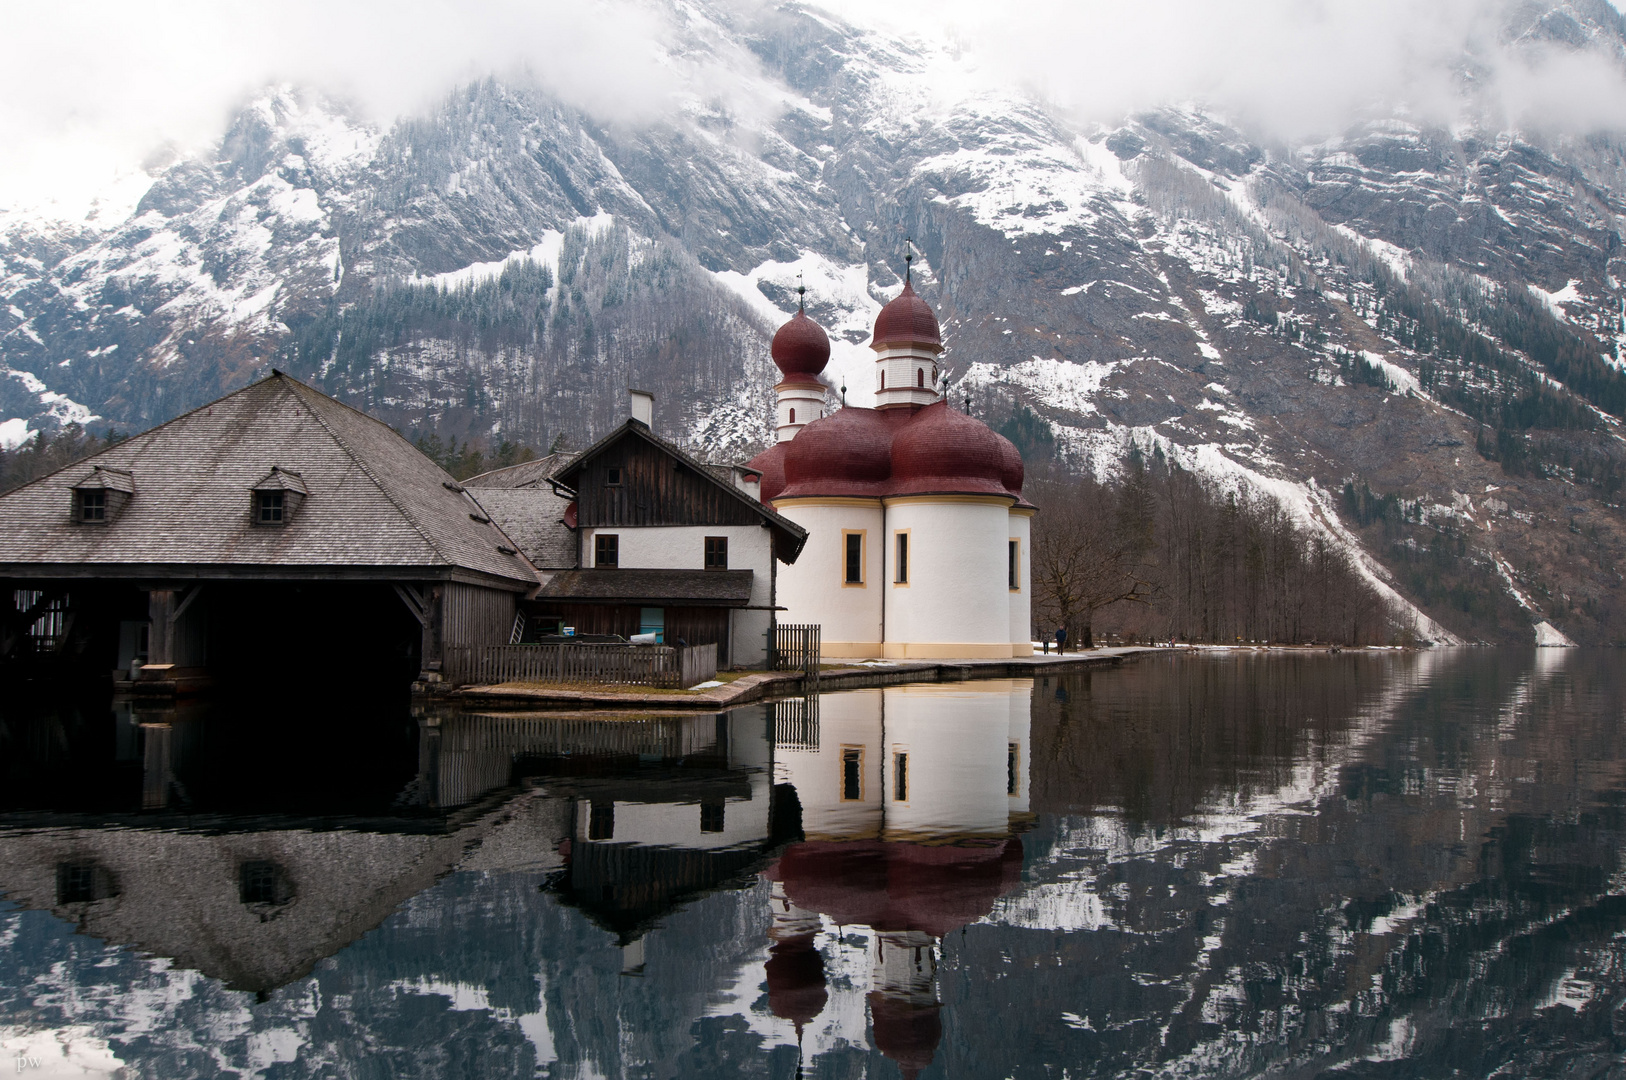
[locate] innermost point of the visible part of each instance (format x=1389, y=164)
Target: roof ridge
x=366, y=470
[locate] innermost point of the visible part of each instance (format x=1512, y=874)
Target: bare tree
x=1091, y=548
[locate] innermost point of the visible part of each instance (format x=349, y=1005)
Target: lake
x=1230, y=864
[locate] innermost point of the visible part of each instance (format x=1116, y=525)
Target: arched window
x=920, y=376
x=793, y=416
x=883, y=380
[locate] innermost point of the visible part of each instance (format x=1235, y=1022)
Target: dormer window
x=268, y=507
x=98, y=498
x=276, y=498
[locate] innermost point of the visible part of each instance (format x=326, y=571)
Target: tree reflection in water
x=1363, y=865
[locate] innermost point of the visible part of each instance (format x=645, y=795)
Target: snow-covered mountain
x=1410, y=334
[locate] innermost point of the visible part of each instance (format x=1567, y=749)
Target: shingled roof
x=373, y=500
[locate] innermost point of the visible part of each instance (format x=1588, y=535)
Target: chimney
x=643, y=407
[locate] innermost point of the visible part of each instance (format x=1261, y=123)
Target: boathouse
x=274, y=535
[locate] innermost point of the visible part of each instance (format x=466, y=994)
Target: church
x=917, y=529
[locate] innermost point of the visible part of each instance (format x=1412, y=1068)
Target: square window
x=854, y=558
x=93, y=506
x=75, y=883
x=612, y=476
x=607, y=551
x=716, y=553
x=268, y=507
x=260, y=882
x=711, y=815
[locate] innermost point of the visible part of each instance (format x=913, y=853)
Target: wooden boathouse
x=273, y=532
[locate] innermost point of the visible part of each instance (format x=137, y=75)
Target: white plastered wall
x=1021, y=530
x=813, y=589
x=956, y=603
x=683, y=547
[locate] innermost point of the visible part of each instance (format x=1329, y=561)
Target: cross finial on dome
x=908, y=258
x=801, y=293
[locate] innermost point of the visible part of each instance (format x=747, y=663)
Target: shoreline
x=781, y=684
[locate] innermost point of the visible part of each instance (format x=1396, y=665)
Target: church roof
x=372, y=499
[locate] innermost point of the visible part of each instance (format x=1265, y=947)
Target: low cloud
x=91, y=87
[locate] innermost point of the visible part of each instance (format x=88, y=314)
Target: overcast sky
x=92, y=87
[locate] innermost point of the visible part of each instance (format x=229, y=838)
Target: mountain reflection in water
x=1223, y=866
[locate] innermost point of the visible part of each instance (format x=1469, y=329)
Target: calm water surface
x=1362, y=866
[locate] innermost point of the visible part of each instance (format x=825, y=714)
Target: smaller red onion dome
x=940, y=451
x=907, y=320
x=847, y=453
x=801, y=347
x=771, y=464
x=796, y=984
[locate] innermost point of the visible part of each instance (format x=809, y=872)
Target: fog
x=92, y=89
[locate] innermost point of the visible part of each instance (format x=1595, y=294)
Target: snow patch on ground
x=1403, y=381
x=1057, y=384
x=14, y=432
x=1555, y=300
x=545, y=252
x=1549, y=636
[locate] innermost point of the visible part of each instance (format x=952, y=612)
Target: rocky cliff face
x=1411, y=336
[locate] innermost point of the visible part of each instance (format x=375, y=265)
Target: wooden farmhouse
x=634, y=536
x=273, y=531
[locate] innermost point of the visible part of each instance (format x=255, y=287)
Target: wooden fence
x=795, y=648
x=666, y=666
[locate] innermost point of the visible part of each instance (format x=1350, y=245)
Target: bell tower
x=907, y=344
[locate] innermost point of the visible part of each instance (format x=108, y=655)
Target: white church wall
x=957, y=747
x=956, y=603
x=1021, y=597
x=814, y=590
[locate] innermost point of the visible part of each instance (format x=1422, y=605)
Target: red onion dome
x=801, y=347
x=1012, y=471
x=940, y=451
x=905, y=1031
x=907, y=320
x=845, y=453
x=771, y=464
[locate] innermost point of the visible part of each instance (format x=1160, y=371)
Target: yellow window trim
x=904, y=584
x=863, y=558
x=1017, y=540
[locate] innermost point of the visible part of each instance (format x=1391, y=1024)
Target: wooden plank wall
x=655, y=489
x=477, y=616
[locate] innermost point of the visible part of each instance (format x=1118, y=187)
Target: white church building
x=918, y=534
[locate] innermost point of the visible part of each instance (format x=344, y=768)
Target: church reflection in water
x=911, y=800
x=895, y=810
